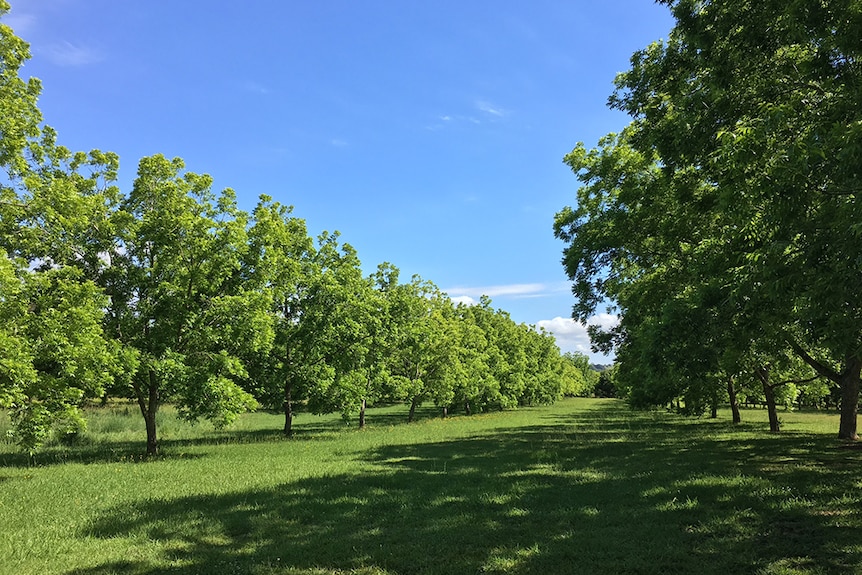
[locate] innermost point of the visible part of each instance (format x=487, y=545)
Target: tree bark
x=769, y=395
x=467, y=407
x=849, y=382
x=152, y=440
x=288, y=409
x=362, y=414
x=412, y=413
x=149, y=406
x=445, y=411
x=734, y=402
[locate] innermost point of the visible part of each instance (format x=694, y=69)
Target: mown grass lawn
x=585, y=486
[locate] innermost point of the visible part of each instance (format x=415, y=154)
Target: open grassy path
x=584, y=486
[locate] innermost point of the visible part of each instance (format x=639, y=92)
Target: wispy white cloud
x=71, y=55
x=489, y=113
x=61, y=53
x=255, y=87
x=440, y=122
x=572, y=335
x=339, y=143
x=22, y=24
x=491, y=109
x=510, y=290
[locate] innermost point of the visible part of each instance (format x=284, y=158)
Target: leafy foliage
x=52, y=350
x=170, y=293
x=721, y=220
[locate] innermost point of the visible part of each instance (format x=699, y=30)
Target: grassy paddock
x=584, y=486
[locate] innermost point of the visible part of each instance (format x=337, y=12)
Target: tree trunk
x=849, y=382
x=149, y=406
x=412, y=414
x=467, y=407
x=362, y=414
x=445, y=411
x=769, y=394
x=152, y=440
x=288, y=410
x=734, y=402
x=774, y=424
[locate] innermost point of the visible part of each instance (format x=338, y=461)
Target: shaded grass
x=581, y=487
x=116, y=433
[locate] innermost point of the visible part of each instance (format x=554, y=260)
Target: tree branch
x=820, y=368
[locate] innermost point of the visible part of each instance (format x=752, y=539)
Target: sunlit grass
x=585, y=486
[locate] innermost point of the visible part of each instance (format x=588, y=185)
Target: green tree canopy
x=177, y=298
x=739, y=175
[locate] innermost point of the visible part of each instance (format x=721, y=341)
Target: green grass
x=584, y=486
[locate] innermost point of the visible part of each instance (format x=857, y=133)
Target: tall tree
x=748, y=120
x=53, y=353
x=582, y=378
x=53, y=207
x=280, y=262
x=325, y=331
x=421, y=343
x=484, y=359
x=177, y=298
x=547, y=375
x=770, y=94
x=471, y=371
x=354, y=321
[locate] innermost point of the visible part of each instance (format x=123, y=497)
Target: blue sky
x=430, y=134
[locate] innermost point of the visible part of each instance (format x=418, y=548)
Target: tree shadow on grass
x=134, y=451
x=88, y=452
x=107, y=451
x=395, y=414
x=597, y=492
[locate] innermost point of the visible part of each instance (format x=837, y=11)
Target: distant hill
x=600, y=367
